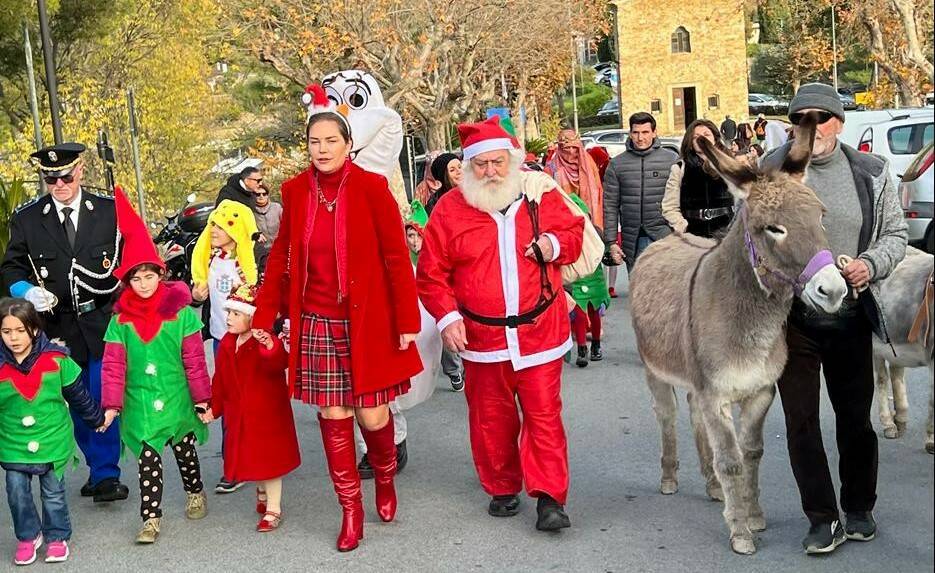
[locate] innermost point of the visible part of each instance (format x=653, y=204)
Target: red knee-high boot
x=381, y=451
x=338, y=439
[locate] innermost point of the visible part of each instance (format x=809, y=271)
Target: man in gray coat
x=863, y=222
x=634, y=184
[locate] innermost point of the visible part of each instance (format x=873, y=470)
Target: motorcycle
x=177, y=238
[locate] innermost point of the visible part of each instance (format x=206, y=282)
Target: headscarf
x=424, y=189
x=577, y=174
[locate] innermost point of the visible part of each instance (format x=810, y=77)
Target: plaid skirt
x=324, y=373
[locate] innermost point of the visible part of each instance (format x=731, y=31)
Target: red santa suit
x=465, y=251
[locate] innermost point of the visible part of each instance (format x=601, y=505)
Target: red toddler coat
x=249, y=390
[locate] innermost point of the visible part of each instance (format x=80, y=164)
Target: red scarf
x=143, y=313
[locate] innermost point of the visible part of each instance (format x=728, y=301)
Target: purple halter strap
x=819, y=260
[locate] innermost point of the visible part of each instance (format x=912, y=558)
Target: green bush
x=537, y=146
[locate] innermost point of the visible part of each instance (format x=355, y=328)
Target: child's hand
x=200, y=292
x=263, y=337
x=205, y=417
x=109, y=416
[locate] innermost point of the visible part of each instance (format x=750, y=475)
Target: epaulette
x=98, y=195
x=27, y=204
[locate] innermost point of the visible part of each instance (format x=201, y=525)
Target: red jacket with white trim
x=475, y=260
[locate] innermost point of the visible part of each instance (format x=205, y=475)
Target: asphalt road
x=619, y=520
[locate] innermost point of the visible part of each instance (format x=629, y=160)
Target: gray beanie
x=817, y=96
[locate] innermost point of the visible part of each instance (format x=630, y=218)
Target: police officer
x=61, y=255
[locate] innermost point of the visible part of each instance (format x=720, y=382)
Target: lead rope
x=842, y=262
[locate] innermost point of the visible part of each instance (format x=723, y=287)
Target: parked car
x=601, y=66
x=856, y=122
x=847, y=101
x=898, y=140
x=610, y=108
x=917, y=192
x=614, y=141
x=766, y=104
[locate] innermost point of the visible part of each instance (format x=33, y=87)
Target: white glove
x=40, y=298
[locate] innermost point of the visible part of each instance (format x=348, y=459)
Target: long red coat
x=249, y=390
x=381, y=290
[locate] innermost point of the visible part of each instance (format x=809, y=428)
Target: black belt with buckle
x=709, y=214
x=86, y=307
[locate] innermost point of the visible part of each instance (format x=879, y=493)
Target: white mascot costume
x=377, y=132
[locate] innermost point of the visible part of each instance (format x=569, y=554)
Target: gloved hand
x=40, y=298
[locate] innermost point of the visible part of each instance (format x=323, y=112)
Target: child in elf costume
x=154, y=373
x=592, y=300
x=250, y=391
x=223, y=260
x=37, y=388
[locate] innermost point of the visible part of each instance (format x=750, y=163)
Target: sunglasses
x=49, y=180
x=262, y=194
x=797, y=117
x=257, y=179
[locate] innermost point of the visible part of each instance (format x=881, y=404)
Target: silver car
x=917, y=191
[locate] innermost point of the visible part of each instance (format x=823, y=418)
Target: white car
x=855, y=122
x=917, y=192
x=614, y=141
x=898, y=140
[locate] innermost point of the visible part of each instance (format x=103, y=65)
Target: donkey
x=710, y=318
x=904, y=298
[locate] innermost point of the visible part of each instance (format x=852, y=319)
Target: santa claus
x=512, y=333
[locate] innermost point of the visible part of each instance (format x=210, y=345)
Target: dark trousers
x=101, y=451
x=845, y=354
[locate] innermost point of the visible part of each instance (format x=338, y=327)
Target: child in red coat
x=249, y=389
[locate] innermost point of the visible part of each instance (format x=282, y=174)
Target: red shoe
x=337, y=436
x=267, y=525
x=612, y=292
x=260, y=503
x=381, y=452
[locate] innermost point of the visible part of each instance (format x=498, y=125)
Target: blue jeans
x=642, y=242
x=55, y=524
x=101, y=451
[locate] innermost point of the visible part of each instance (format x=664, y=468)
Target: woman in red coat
x=249, y=390
x=340, y=268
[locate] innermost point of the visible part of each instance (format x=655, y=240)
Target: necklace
x=329, y=205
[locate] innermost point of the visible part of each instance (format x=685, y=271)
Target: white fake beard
x=492, y=194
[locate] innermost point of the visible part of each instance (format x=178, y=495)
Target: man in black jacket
x=241, y=188
x=62, y=251
x=634, y=184
x=728, y=131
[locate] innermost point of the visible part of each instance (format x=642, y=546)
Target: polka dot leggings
x=151, y=474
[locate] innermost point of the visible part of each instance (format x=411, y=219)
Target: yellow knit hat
x=238, y=221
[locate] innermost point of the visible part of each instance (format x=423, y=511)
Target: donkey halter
x=819, y=260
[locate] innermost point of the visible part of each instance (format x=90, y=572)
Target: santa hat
x=138, y=247
x=242, y=300
x=317, y=102
x=237, y=220
x=489, y=135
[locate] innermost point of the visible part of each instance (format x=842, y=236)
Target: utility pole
x=135, y=144
x=834, y=47
x=50, y=80
x=31, y=85
x=574, y=83
x=616, y=49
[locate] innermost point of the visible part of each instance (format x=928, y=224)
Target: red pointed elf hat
x=138, y=246
x=489, y=135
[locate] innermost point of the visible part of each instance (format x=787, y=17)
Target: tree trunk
x=914, y=51
x=908, y=93
x=435, y=133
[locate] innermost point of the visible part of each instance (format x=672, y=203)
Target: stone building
x=682, y=59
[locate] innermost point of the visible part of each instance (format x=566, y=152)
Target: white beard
x=492, y=194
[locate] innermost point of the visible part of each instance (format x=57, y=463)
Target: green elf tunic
x=592, y=288
x=35, y=425
x=157, y=406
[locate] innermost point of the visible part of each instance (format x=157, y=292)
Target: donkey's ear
x=800, y=153
x=737, y=173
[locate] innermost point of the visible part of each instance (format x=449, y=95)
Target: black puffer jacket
x=634, y=184
x=234, y=191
